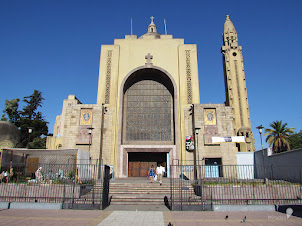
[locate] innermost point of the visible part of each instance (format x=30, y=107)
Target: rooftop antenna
x=165, y=26
x=131, y=25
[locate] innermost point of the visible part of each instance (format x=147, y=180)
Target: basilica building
x=148, y=110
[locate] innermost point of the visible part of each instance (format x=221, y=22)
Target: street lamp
x=90, y=132
x=30, y=130
x=260, y=132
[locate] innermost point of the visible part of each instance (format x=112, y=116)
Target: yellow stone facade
x=166, y=62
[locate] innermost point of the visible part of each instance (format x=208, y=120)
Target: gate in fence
x=199, y=187
x=76, y=186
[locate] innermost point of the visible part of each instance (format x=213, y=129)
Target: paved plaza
x=145, y=218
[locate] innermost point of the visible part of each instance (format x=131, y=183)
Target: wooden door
x=144, y=168
x=32, y=166
x=134, y=169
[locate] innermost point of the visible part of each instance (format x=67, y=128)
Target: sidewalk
x=136, y=218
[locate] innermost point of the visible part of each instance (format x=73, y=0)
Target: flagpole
x=131, y=27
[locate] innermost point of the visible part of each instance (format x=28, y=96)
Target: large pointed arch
x=163, y=77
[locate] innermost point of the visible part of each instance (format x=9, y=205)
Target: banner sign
x=234, y=139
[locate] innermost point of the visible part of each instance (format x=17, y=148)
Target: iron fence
x=73, y=185
x=200, y=187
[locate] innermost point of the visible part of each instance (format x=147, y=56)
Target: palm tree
x=277, y=137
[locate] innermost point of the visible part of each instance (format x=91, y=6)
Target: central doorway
x=139, y=163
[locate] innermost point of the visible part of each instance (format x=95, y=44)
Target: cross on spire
x=148, y=57
x=152, y=18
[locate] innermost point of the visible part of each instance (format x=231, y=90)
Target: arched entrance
x=148, y=121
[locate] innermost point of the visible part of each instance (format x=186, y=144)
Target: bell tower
x=235, y=85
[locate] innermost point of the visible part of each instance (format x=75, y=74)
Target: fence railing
x=201, y=186
x=74, y=185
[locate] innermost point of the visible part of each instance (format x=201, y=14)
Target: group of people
x=5, y=176
x=158, y=173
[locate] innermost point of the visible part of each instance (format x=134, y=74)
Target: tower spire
x=229, y=33
x=235, y=85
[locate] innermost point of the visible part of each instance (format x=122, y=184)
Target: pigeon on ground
x=226, y=217
x=243, y=220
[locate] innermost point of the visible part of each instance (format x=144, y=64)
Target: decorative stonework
x=148, y=113
x=86, y=117
x=189, y=78
x=149, y=57
x=238, y=90
x=210, y=116
x=108, y=76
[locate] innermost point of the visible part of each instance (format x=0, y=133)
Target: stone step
x=143, y=193
x=136, y=192
x=139, y=190
x=135, y=203
x=141, y=186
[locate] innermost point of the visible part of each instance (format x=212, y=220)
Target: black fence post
x=105, y=200
x=171, y=185
x=181, y=187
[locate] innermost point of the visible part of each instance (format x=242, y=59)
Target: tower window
x=234, y=54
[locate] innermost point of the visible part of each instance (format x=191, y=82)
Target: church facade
x=148, y=109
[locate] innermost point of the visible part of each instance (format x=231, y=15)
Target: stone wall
x=223, y=127
x=281, y=166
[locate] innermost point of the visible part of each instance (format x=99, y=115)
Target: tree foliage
x=295, y=140
x=278, y=135
x=32, y=103
x=11, y=111
x=29, y=116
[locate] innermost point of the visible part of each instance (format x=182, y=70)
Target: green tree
x=28, y=117
x=33, y=102
x=38, y=143
x=11, y=111
x=295, y=140
x=278, y=135
x=3, y=118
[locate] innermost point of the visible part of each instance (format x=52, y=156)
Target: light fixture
x=90, y=130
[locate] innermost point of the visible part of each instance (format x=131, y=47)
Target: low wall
x=59, y=191
x=281, y=166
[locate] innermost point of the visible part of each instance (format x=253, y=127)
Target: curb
x=41, y=206
x=222, y=208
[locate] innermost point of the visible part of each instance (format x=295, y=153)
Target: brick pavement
x=136, y=218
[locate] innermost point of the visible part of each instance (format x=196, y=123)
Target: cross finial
x=152, y=18
x=148, y=57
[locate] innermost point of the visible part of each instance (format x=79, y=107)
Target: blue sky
x=54, y=47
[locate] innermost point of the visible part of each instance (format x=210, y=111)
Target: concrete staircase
x=138, y=191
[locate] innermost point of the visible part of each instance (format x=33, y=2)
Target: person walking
x=159, y=172
x=151, y=173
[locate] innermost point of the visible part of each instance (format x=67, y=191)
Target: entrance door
x=213, y=167
x=139, y=163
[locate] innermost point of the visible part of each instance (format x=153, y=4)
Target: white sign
x=234, y=139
